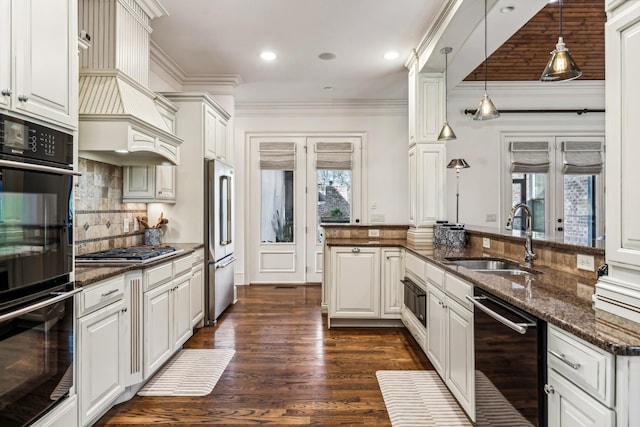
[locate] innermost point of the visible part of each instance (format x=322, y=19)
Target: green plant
x=337, y=212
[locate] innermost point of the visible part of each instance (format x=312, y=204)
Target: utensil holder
x=152, y=236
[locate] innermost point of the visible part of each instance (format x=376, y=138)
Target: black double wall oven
x=36, y=259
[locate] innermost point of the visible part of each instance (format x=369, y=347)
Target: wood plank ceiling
x=525, y=54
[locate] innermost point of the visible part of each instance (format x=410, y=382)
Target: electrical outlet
x=125, y=225
x=486, y=242
x=374, y=232
x=374, y=206
x=585, y=262
x=136, y=225
x=491, y=218
x=377, y=217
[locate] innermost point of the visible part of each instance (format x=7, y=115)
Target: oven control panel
x=33, y=141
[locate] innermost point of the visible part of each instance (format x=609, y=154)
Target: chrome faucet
x=529, y=256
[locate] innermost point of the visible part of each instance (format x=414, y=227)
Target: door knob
x=548, y=389
x=23, y=98
x=6, y=92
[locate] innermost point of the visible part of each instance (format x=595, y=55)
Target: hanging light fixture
x=486, y=110
x=560, y=66
x=446, y=134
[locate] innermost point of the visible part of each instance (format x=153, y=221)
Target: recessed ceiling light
x=268, y=56
x=391, y=55
x=327, y=56
x=507, y=9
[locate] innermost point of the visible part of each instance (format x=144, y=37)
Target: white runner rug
x=192, y=372
x=420, y=398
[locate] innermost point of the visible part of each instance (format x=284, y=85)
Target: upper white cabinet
x=426, y=184
x=214, y=126
x=38, y=59
x=413, y=76
x=148, y=184
x=429, y=107
x=621, y=288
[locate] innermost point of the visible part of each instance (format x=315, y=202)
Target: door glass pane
x=277, y=206
x=529, y=188
x=334, y=198
x=580, y=209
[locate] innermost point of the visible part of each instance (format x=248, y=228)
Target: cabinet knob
x=6, y=92
x=548, y=389
x=23, y=98
x=124, y=310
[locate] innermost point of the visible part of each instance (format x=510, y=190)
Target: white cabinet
x=100, y=360
x=147, y=184
x=450, y=337
x=412, y=83
x=621, y=288
x=355, y=282
x=215, y=136
x=167, y=322
x=197, y=289
x=426, y=184
x=429, y=107
x=37, y=57
x=392, y=291
x=64, y=415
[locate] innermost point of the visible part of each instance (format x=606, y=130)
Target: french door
x=296, y=183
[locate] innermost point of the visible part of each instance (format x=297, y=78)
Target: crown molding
x=164, y=61
x=153, y=8
x=351, y=107
x=531, y=88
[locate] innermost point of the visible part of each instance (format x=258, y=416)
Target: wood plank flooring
x=288, y=369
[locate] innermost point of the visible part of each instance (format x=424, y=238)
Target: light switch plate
x=374, y=232
x=486, y=242
x=125, y=225
x=585, y=262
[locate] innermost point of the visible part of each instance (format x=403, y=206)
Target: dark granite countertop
x=558, y=298
x=87, y=274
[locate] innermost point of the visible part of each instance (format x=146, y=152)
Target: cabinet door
x=197, y=295
x=436, y=329
x=165, y=187
x=100, y=360
x=413, y=75
x=569, y=406
x=158, y=328
x=138, y=182
x=430, y=106
x=5, y=53
x=355, y=283
x=210, y=135
x=392, y=288
x=430, y=172
x=413, y=182
x=460, y=376
x=45, y=40
x=222, y=151
x=181, y=295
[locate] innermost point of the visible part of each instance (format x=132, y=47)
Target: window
x=561, y=180
x=277, y=166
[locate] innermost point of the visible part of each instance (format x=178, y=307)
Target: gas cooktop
x=130, y=255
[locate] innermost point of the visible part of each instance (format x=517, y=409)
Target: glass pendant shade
x=446, y=134
x=486, y=110
x=561, y=66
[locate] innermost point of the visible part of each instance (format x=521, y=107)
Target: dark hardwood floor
x=288, y=369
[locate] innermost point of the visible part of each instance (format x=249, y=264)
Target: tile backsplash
x=99, y=211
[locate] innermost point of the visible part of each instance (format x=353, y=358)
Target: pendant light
x=446, y=134
x=560, y=66
x=486, y=110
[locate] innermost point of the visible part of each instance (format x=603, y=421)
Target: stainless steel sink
x=492, y=266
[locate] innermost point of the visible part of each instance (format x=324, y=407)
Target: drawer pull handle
x=548, y=389
x=106, y=294
x=6, y=92
x=563, y=359
x=355, y=250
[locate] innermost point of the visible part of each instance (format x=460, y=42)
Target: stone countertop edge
x=559, y=298
x=88, y=274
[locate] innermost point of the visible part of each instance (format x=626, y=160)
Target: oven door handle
x=59, y=296
x=521, y=328
x=38, y=168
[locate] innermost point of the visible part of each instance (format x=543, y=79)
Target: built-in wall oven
x=510, y=364
x=415, y=299
x=36, y=250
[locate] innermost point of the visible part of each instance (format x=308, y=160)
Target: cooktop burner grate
x=131, y=254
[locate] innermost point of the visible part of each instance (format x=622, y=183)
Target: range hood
x=121, y=121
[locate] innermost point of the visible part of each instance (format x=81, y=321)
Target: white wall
x=386, y=153
x=479, y=142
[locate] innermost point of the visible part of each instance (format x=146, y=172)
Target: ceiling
x=222, y=39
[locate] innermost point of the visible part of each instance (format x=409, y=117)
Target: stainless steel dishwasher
x=510, y=364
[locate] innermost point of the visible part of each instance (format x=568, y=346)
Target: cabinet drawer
x=158, y=275
x=435, y=275
x=458, y=289
x=182, y=264
x=587, y=366
x=415, y=266
x=101, y=294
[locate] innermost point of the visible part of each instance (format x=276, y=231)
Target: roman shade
x=278, y=155
x=529, y=156
x=334, y=155
x=581, y=157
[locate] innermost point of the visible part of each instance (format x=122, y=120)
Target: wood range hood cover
x=121, y=121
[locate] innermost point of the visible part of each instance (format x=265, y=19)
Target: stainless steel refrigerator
x=218, y=238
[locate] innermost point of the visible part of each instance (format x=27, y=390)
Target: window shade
x=278, y=155
x=529, y=156
x=581, y=157
x=334, y=155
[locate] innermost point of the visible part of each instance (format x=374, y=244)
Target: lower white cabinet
x=436, y=328
x=167, y=322
x=355, y=282
x=569, y=406
x=100, y=360
x=392, y=290
x=197, y=293
x=64, y=415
